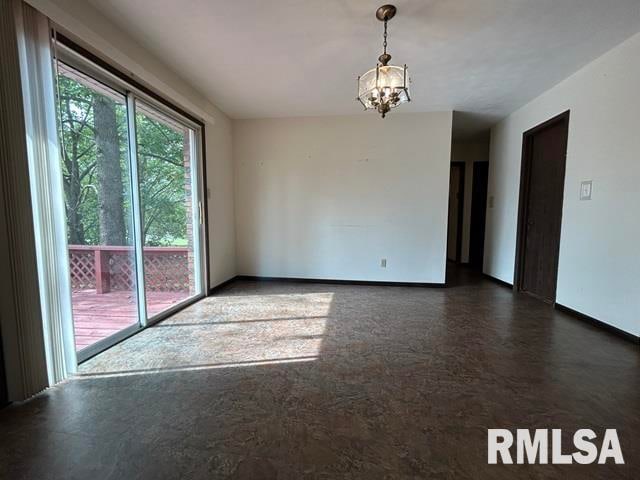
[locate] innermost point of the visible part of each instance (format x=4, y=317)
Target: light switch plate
x=585, y=190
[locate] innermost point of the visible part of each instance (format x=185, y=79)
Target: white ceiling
x=484, y=58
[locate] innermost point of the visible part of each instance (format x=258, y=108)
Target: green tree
x=95, y=167
x=78, y=159
x=162, y=181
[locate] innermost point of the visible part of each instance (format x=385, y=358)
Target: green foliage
x=162, y=181
x=160, y=168
x=78, y=161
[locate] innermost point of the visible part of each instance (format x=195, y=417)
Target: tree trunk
x=74, y=224
x=109, y=172
x=73, y=189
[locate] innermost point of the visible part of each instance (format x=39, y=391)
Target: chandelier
x=386, y=86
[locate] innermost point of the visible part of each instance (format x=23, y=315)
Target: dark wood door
x=544, y=150
x=478, y=214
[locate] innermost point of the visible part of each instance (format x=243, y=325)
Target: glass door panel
x=170, y=226
x=98, y=198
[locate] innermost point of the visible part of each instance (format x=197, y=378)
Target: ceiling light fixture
x=386, y=86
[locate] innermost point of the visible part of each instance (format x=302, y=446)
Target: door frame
x=523, y=211
x=460, y=218
x=4, y=391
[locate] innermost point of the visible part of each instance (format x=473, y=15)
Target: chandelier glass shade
x=385, y=86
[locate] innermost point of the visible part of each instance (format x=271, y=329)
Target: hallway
x=289, y=381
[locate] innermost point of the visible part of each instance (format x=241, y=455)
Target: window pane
x=97, y=189
x=164, y=154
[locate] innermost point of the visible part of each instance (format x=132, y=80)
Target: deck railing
x=106, y=268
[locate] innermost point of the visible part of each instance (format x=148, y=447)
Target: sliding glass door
x=132, y=188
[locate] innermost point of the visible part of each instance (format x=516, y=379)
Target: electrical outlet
x=491, y=201
x=383, y=263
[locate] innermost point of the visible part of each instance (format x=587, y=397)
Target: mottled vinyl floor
x=271, y=380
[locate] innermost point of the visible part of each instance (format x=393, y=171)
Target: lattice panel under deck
x=166, y=270
x=82, y=269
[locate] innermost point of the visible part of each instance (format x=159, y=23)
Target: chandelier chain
x=384, y=43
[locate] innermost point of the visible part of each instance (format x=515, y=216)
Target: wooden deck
x=97, y=316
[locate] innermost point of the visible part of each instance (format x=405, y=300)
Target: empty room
x=319, y=239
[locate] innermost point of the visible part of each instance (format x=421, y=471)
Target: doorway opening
x=478, y=214
x=456, y=212
x=544, y=150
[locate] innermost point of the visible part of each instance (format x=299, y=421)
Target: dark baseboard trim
x=340, y=282
x=598, y=323
x=220, y=286
x=498, y=281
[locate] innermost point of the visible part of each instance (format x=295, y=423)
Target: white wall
x=329, y=197
x=222, y=226
x=599, y=270
x=82, y=21
x=469, y=151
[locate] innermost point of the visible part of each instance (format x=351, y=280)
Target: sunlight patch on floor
x=224, y=332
